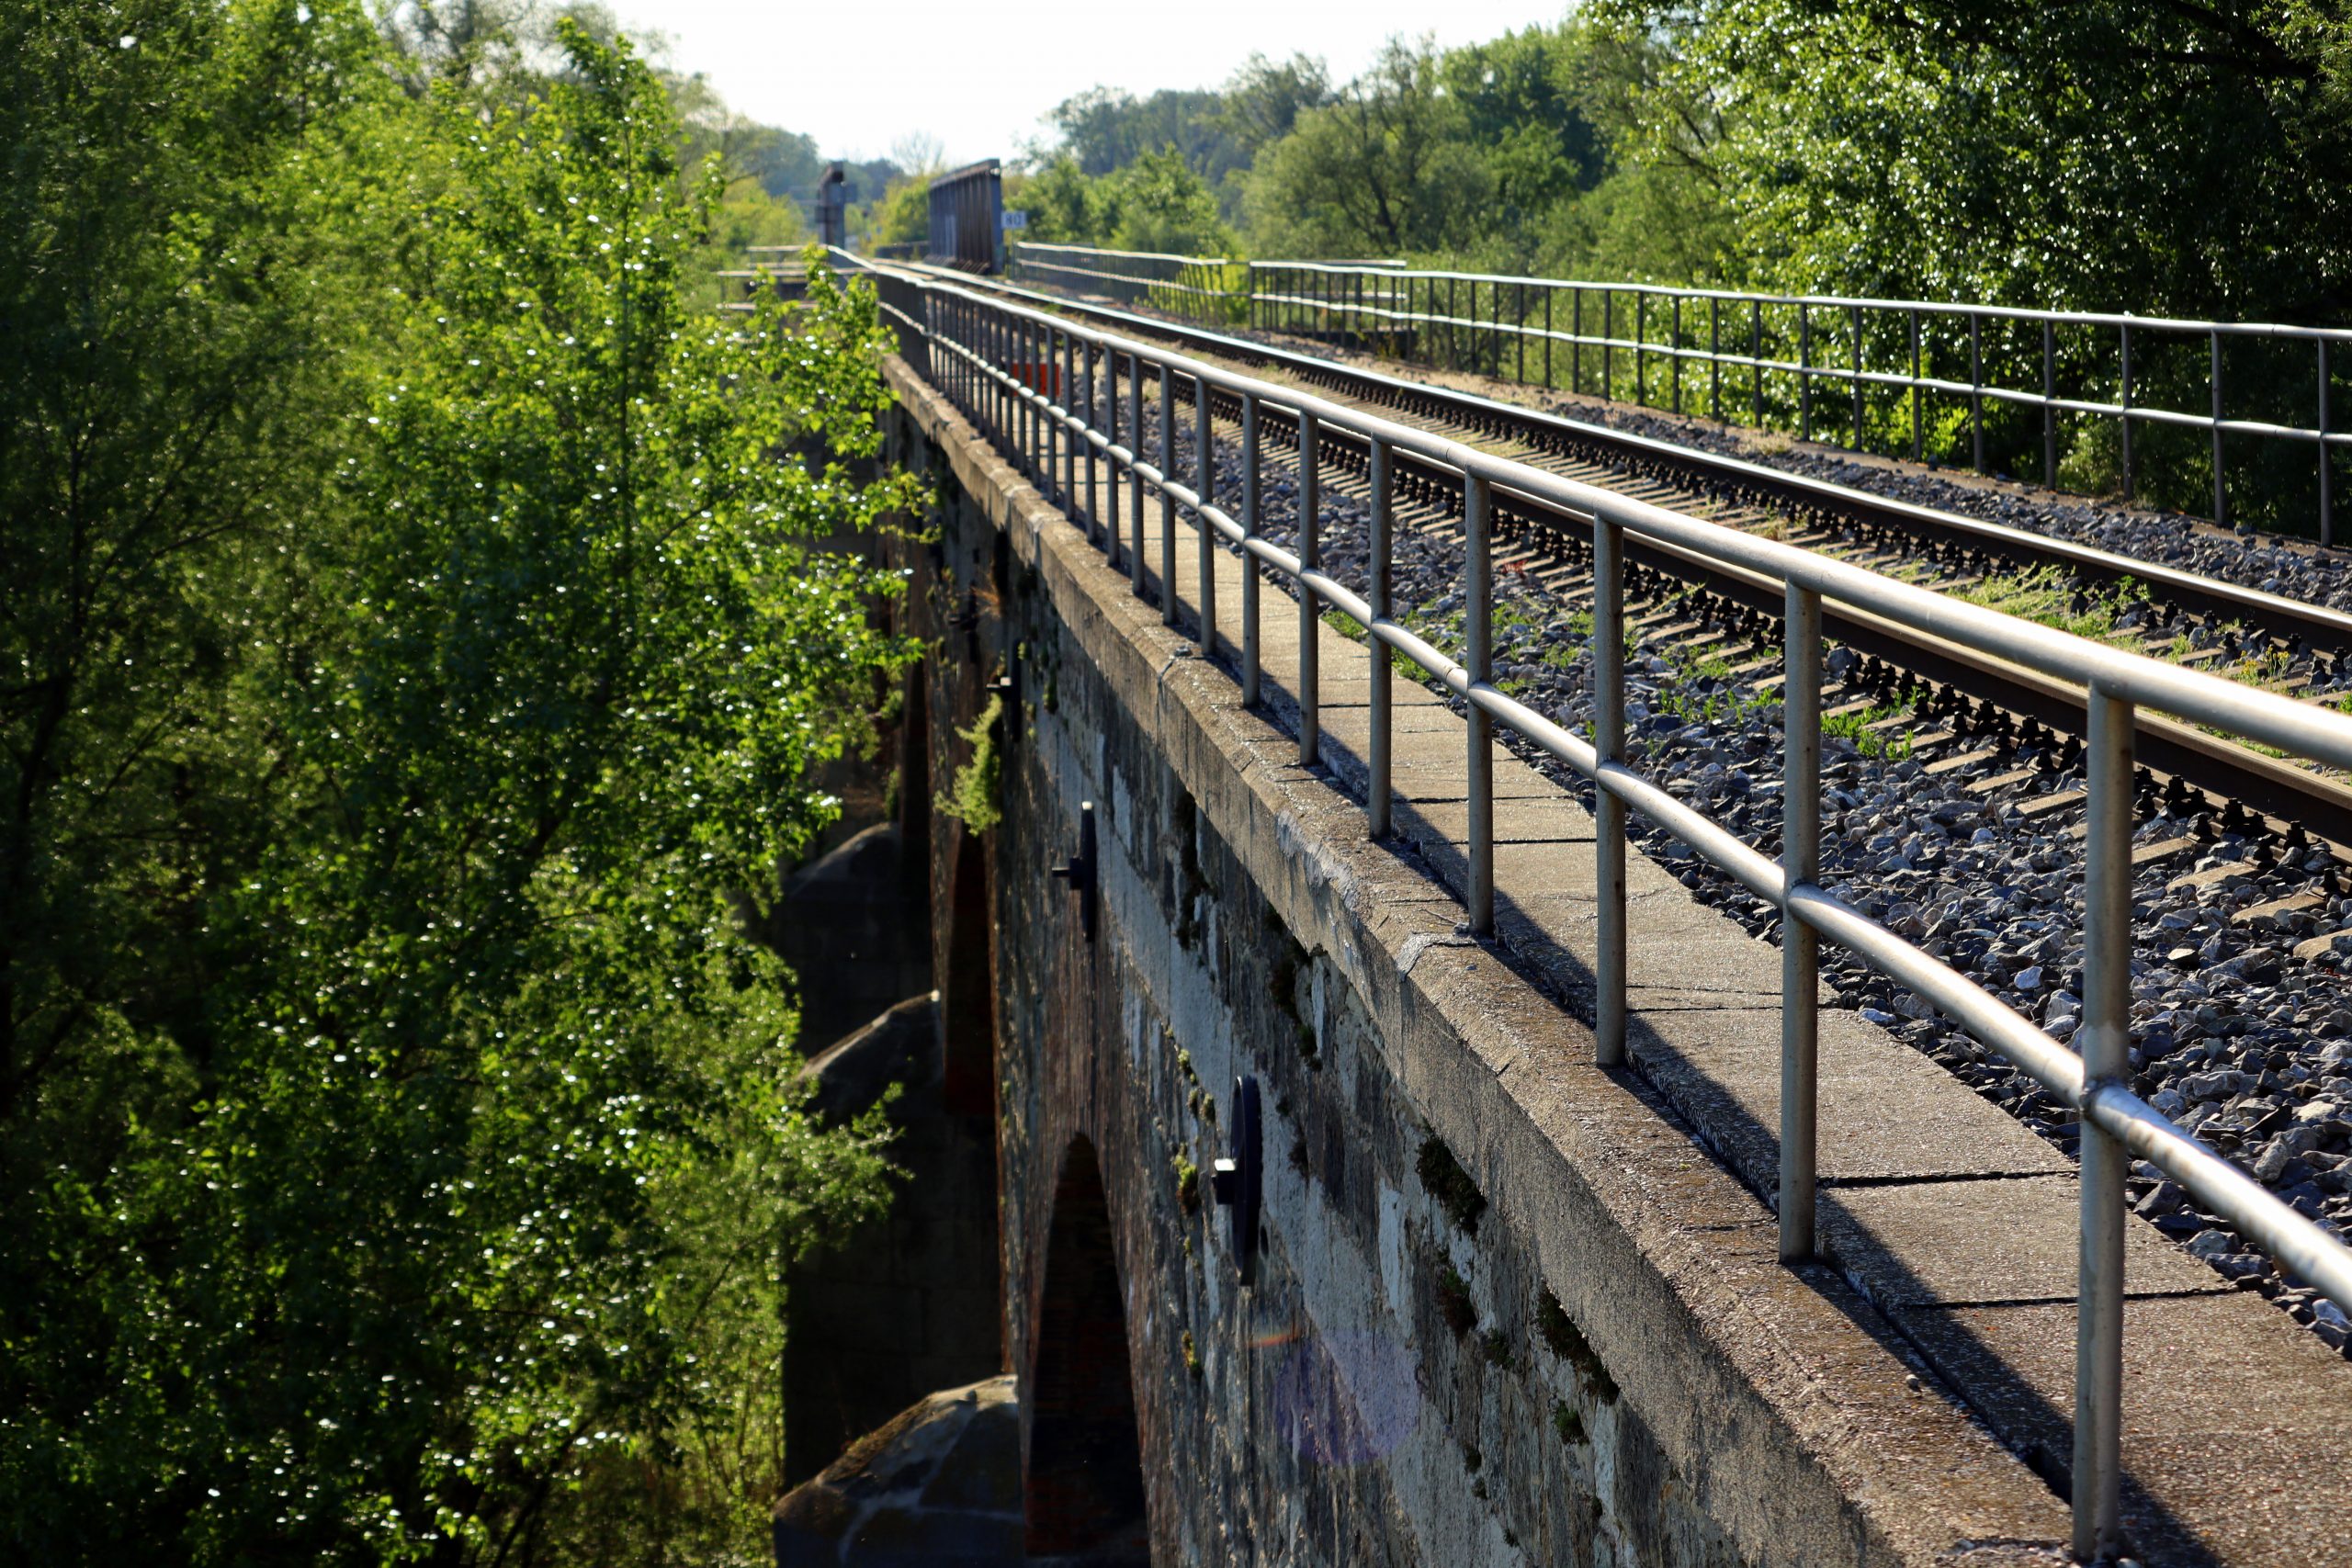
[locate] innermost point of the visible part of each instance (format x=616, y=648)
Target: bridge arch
x=1084, y=1488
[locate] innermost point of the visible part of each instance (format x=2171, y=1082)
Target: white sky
x=858, y=74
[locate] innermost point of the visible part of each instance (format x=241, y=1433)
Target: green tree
x=2171, y=159
x=903, y=215
x=416, y=645
x=1064, y=204
x=1522, y=103
x=1159, y=203
x=1264, y=98
x=188, y=240
x=1384, y=169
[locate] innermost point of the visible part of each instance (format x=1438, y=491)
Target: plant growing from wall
x=976, y=795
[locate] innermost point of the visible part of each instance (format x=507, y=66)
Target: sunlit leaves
x=418, y=1150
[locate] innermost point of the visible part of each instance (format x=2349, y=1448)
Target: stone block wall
x=1506, y=1309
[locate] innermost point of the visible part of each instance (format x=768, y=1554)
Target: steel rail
x=973, y=329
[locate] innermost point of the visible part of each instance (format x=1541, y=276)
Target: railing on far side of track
x=1784, y=350
x=1194, y=289
x=1875, y=375
x=1047, y=392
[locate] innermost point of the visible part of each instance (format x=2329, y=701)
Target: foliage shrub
x=417, y=636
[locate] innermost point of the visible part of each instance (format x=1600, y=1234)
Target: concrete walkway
x=1938, y=1207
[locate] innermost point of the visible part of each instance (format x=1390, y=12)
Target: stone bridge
x=1503, y=1305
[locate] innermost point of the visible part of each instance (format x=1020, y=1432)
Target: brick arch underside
x=1084, y=1491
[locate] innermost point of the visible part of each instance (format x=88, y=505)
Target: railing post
x=1640, y=344
x=2326, y=470
x=1248, y=562
x=2220, y=488
x=1857, y=319
x=1478, y=637
x=951, y=367
x=1495, y=330
x=1677, y=352
x=1756, y=358
x=1000, y=401
x=1804, y=372
x=1377, y=798
x=1977, y=387
x=1055, y=439
x=1068, y=387
x=1094, y=528
x=1548, y=292
x=1134, y=480
x=1800, y=944
x=1028, y=341
x=2105, y=1040
x=2130, y=468
x=1715, y=359
x=966, y=337
x=1519, y=334
x=1109, y=464
x=1608, y=811
x=1166, y=499
x=1918, y=412
x=2049, y=404
x=1204, y=482
x=1576, y=346
x=1609, y=343
x=1310, y=558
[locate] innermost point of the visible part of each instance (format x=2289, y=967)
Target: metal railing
x=1784, y=347
x=1198, y=288
x=1047, y=392
x=1904, y=376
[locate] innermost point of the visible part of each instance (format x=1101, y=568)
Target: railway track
x=1969, y=700
x=1728, y=489
x=1960, y=828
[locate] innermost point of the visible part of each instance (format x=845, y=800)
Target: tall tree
x=414, y=646
x=2177, y=158
x=1387, y=168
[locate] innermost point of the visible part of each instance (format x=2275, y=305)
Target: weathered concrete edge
x=1779, y=1394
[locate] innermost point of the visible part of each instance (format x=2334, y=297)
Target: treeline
x=1524, y=153
x=415, y=640
x=770, y=174
x=2192, y=160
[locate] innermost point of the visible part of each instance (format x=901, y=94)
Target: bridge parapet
x=1512, y=1302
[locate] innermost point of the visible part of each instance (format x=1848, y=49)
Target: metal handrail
x=1188, y=285
x=1017, y=371
x=1379, y=301
x=1127, y=255
x=1145, y=282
